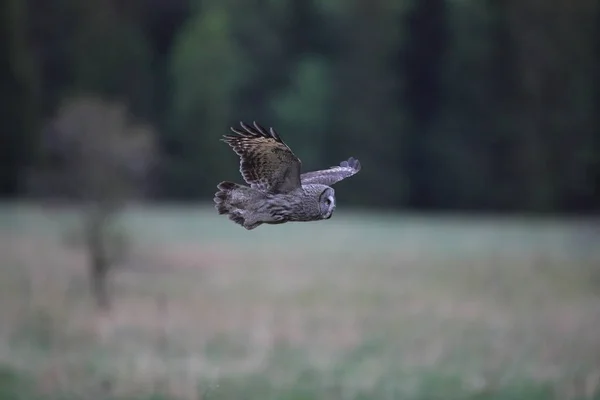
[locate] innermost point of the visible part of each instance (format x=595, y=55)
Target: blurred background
x=463, y=260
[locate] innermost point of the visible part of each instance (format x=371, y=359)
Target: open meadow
x=362, y=306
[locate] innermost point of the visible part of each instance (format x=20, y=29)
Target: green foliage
x=306, y=106
x=205, y=68
x=366, y=118
x=206, y=71
x=114, y=62
x=309, y=385
x=20, y=93
x=13, y=385
x=437, y=98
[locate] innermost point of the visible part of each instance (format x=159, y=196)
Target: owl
x=278, y=191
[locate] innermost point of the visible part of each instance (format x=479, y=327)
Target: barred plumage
x=278, y=192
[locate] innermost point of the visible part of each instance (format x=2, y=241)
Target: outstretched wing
x=332, y=175
x=266, y=162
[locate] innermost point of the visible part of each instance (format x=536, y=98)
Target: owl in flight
x=278, y=191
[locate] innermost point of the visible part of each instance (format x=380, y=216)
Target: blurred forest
x=457, y=105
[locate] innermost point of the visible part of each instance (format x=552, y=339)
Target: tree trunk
x=96, y=231
x=99, y=281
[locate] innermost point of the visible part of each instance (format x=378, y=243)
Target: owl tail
x=223, y=202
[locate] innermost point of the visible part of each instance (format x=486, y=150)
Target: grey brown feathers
x=266, y=162
x=223, y=201
x=278, y=192
x=332, y=175
x=222, y=196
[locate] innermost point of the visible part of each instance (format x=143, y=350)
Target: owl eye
x=327, y=201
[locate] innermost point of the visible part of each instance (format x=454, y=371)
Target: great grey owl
x=278, y=192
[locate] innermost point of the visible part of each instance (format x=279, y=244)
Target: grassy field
x=363, y=306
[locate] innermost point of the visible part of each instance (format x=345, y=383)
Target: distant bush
x=96, y=153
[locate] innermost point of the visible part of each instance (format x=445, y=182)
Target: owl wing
x=266, y=162
x=332, y=175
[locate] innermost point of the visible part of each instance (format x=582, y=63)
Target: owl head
x=327, y=203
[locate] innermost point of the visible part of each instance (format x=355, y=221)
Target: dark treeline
x=462, y=104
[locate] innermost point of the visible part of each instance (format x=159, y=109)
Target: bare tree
x=101, y=158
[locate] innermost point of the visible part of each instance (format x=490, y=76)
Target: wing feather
x=332, y=175
x=266, y=162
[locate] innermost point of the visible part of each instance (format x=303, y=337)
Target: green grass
x=363, y=306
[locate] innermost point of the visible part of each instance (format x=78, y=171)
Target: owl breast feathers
x=278, y=191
